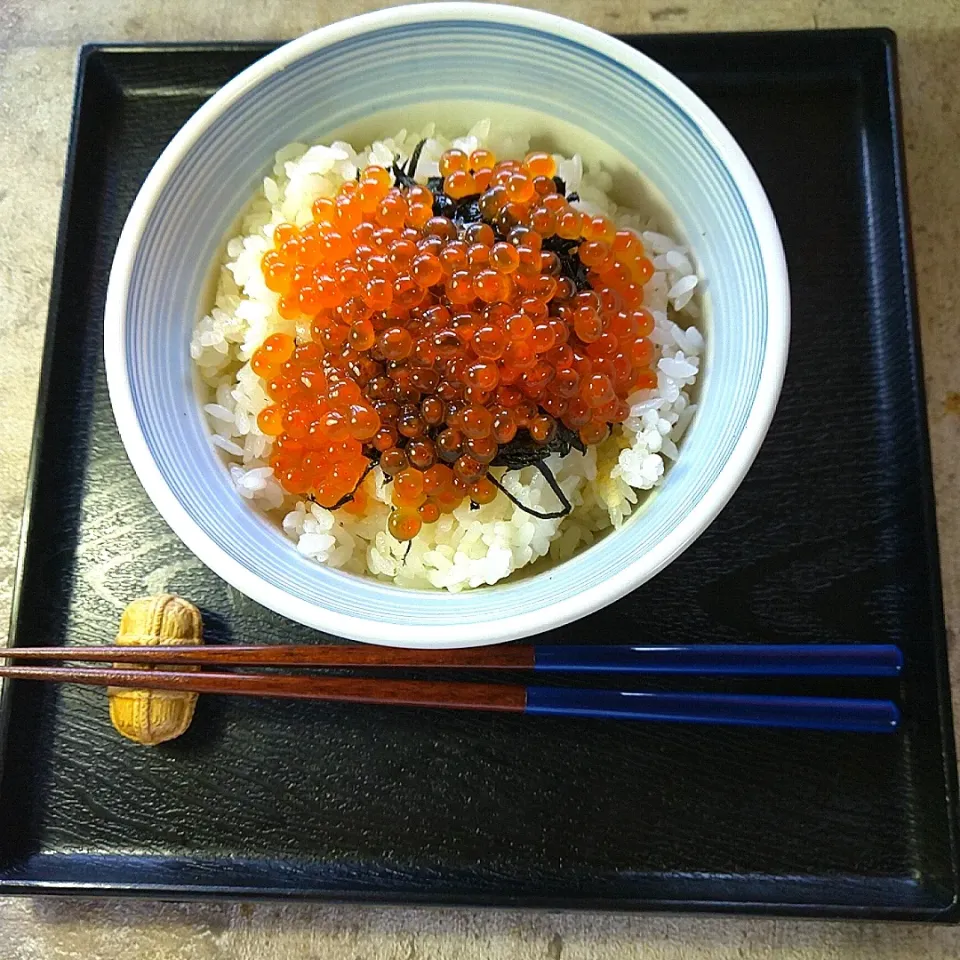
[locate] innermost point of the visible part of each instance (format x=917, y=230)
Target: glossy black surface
x=830, y=539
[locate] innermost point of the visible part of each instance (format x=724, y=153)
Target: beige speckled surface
x=38, y=39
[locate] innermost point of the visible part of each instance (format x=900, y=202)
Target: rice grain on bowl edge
x=469, y=547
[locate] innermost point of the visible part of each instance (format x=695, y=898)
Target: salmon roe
x=433, y=343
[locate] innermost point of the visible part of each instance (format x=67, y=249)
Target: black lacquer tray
x=830, y=538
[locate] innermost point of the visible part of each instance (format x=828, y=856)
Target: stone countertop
x=38, y=42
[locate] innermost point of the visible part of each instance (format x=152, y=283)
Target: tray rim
x=886, y=40
x=938, y=627
x=84, y=56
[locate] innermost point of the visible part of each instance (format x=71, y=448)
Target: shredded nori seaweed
x=444, y=206
x=570, y=265
x=523, y=451
x=406, y=176
x=346, y=498
x=558, y=182
x=464, y=211
x=415, y=159
x=467, y=210
x=566, y=507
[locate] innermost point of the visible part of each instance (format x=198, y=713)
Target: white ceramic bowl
x=395, y=58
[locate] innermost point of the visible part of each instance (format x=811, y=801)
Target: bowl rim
x=515, y=625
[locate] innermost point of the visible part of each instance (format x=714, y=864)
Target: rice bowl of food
x=446, y=362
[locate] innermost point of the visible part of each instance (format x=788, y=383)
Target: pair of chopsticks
x=796, y=660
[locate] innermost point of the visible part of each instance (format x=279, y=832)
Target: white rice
x=467, y=548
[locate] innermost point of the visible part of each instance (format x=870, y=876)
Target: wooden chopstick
x=861, y=660
x=425, y=693
x=808, y=713
x=503, y=657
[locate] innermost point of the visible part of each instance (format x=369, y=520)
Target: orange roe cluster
x=433, y=343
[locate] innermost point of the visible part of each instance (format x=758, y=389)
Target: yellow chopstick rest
x=153, y=716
